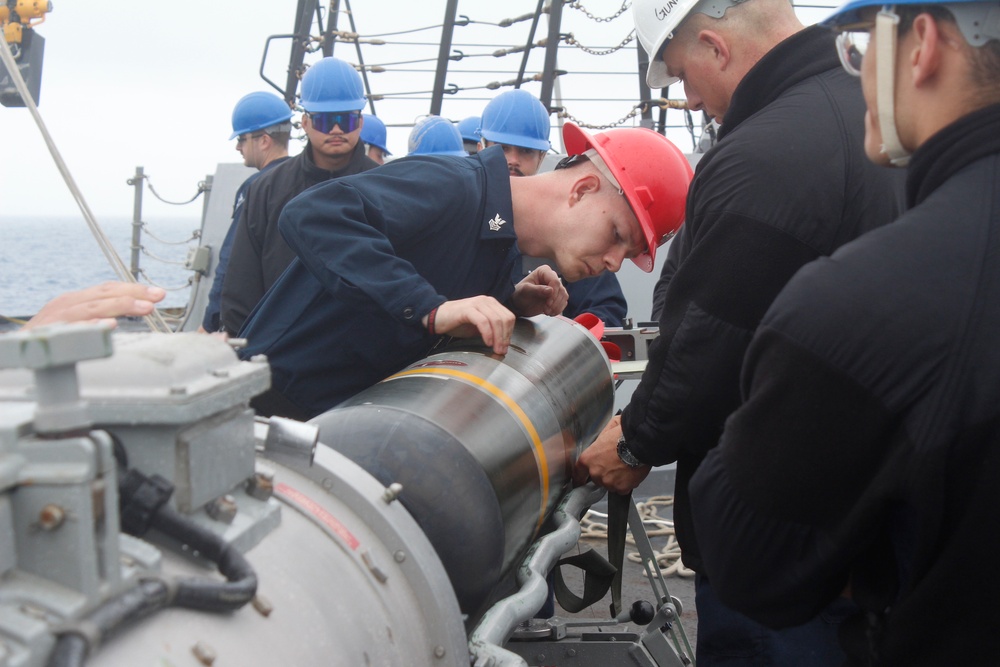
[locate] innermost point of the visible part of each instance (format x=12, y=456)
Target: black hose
x=144, y=506
x=136, y=603
x=70, y=651
x=205, y=594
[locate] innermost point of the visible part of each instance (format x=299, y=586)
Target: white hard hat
x=655, y=22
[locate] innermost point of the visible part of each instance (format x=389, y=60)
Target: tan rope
x=668, y=557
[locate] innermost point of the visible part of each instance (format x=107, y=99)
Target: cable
x=205, y=594
x=143, y=502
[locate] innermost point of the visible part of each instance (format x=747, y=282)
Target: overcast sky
x=154, y=84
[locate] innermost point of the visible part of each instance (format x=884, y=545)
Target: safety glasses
x=853, y=40
x=243, y=137
x=851, y=47
x=325, y=121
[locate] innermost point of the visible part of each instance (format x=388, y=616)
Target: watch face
x=626, y=456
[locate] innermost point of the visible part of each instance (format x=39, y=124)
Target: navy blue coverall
x=376, y=252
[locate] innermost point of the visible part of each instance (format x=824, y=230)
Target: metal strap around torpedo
x=598, y=575
x=618, y=510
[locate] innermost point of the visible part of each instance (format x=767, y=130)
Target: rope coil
x=668, y=557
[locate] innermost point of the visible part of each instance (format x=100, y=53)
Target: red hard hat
x=653, y=173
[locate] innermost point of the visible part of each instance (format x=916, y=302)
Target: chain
x=571, y=40
x=579, y=7
x=163, y=260
x=202, y=187
x=631, y=114
x=636, y=110
x=149, y=280
x=195, y=235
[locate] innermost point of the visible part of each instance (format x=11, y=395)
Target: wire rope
x=154, y=320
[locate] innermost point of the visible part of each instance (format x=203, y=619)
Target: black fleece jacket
x=788, y=182
x=867, y=452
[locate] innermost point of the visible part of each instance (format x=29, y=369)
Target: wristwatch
x=626, y=455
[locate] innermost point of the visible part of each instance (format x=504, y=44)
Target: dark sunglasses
x=570, y=160
x=324, y=121
x=243, y=137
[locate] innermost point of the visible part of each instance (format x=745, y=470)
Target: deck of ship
x=635, y=586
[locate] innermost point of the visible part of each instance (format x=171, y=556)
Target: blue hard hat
x=516, y=118
x=257, y=111
x=435, y=135
x=332, y=85
x=469, y=128
x=978, y=21
x=373, y=132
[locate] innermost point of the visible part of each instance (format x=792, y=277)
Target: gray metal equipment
x=343, y=575
x=130, y=481
x=509, y=635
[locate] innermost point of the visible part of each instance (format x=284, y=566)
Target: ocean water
x=41, y=258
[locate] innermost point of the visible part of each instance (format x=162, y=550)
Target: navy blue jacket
x=259, y=254
x=210, y=322
x=375, y=253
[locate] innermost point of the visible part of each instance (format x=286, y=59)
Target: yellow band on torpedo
x=543, y=462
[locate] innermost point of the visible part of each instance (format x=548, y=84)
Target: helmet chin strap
x=885, y=36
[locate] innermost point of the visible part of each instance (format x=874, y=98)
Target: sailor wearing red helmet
x=390, y=260
x=518, y=122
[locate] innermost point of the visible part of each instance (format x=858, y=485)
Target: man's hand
x=99, y=303
x=541, y=292
x=482, y=315
x=600, y=463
